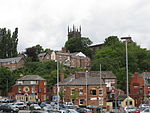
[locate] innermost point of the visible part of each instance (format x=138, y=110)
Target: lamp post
x=57, y=86
x=86, y=89
x=126, y=39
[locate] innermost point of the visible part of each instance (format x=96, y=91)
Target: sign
x=55, y=98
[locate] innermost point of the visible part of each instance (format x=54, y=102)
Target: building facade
x=12, y=63
x=29, y=88
x=83, y=88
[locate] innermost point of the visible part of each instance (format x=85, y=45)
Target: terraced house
x=84, y=88
x=12, y=63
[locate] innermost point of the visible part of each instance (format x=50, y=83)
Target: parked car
x=147, y=110
x=35, y=107
x=38, y=111
x=10, y=108
x=71, y=111
x=20, y=105
x=84, y=110
x=47, y=108
x=129, y=109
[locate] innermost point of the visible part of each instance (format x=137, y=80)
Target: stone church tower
x=75, y=32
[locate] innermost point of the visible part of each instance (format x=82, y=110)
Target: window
x=19, y=90
x=73, y=101
x=20, y=82
x=44, y=90
x=33, y=89
x=72, y=91
x=100, y=101
x=93, y=92
x=81, y=101
x=101, y=91
x=80, y=91
x=33, y=82
x=45, y=83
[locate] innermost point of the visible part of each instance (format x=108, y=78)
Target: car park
x=10, y=108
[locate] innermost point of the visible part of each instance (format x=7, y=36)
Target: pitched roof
x=31, y=77
x=104, y=74
x=41, y=54
x=82, y=81
x=15, y=59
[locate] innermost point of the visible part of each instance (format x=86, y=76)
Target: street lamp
x=57, y=86
x=126, y=39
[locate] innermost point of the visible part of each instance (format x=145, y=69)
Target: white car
x=35, y=106
x=20, y=105
x=71, y=111
x=147, y=110
x=130, y=109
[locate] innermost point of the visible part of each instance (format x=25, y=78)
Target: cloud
x=45, y=22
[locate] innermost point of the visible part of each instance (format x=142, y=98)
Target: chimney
x=62, y=76
x=136, y=74
x=79, y=74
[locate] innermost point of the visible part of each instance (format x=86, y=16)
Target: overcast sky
x=45, y=22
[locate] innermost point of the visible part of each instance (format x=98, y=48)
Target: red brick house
x=83, y=85
x=137, y=88
x=29, y=88
x=12, y=63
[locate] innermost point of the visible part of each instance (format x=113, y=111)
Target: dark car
x=38, y=111
x=10, y=108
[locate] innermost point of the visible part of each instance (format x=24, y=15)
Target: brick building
x=29, y=88
x=12, y=63
x=84, y=85
x=77, y=59
x=44, y=57
x=140, y=88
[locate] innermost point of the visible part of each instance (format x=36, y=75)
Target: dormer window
x=20, y=82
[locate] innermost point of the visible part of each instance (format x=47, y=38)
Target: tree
x=112, y=57
x=8, y=43
x=6, y=80
x=77, y=44
x=39, y=49
x=32, y=54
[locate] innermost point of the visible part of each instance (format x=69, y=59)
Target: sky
x=45, y=22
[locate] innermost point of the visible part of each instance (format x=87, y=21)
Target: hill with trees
x=112, y=57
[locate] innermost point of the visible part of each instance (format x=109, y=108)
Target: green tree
x=112, y=57
x=8, y=43
x=76, y=44
x=39, y=49
x=6, y=80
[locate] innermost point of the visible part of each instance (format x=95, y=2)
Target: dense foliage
x=112, y=57
x=7, y=79
x=77, y=44
x=8, y=43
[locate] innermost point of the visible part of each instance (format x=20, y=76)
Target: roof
x=41, y=54
x=93, y=78
x=82, y=81
x=31, y=77
x=14, y=59
x=104, y=74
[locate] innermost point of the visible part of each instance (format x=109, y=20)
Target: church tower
x=75, y=32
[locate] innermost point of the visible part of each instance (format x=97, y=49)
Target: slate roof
x=82, y=80
x=104, y=74
x=15, y=59
x=31, y=77
x=41, y=54
x=93, y=78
